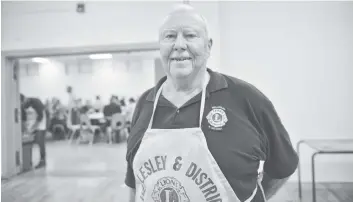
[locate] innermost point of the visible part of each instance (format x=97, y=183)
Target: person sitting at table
x=129, y=111
x=98, y=105
x=109, y=110
x=59, y=119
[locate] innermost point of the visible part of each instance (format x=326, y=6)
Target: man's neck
x=189, y=84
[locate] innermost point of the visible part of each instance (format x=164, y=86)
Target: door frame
x=12, y=144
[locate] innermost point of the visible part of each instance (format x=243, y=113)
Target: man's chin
x=182, y=72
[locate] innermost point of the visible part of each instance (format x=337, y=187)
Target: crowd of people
x=71, y=113
x=74, y=119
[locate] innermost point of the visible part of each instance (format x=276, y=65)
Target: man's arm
x=271, y=185
x=281, y=158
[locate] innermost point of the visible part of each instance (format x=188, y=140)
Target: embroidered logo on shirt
x=169, y=189
x=217, y=118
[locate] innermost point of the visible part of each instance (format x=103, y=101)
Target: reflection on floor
x=83, y=173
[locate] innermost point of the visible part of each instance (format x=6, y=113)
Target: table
x=96, y=116
x=96, y=119
x=322, y=146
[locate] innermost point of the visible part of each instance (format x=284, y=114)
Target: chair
x=58, y=132
x=87, y=130
x=73, y=129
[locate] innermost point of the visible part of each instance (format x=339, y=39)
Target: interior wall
x=39, y=24
x=300, y=55
x=104, y=78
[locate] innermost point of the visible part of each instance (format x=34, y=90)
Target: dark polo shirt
x=253, y=131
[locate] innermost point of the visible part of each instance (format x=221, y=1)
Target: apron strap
x=155, y=105
x=258, y=184
x=202, y=107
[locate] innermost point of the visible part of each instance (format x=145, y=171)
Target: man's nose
x=180, y=43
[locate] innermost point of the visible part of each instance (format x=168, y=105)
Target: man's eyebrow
x=168, y=30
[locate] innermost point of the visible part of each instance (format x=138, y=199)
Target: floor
x=84, y=173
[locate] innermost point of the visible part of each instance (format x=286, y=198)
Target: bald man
x=199, y=135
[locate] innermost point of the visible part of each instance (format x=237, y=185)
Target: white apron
x=175, y=165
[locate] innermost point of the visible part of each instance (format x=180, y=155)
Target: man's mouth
x=181, y=59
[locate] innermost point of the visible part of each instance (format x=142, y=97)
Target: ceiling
x=116, y=56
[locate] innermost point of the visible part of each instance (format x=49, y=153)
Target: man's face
x=114, y=100
x=184, y=45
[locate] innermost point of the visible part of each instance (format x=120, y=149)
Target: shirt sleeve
x=282, y=160
x=132, y=141
x=129, y=177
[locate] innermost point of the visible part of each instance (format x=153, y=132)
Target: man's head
x=114, y=99
x=69, y=89
x=184, y=41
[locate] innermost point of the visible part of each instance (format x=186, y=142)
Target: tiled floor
x=83, y=173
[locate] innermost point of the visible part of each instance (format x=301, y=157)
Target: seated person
x=58, y=117
x=109, y=110
x=98, y=105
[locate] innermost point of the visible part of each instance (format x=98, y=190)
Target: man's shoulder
x=244, y=89
x=143, y=97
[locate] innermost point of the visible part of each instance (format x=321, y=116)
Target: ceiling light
x=40, y=60
x=100, y=56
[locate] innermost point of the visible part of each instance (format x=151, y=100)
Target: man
x=36, y=124
x=71, y=98
x=199, y=135
x=98, y=105
x=109, y=110
x=112, y=108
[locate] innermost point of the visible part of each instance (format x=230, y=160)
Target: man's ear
x=210, y=43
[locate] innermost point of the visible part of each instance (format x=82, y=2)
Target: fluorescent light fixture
x=40, y=60
x=100, y=56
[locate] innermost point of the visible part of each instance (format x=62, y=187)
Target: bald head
x=186, y=9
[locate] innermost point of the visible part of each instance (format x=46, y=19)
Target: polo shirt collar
x=217, y=82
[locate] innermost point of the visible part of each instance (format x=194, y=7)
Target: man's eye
x=191, y=35
x=169, y=36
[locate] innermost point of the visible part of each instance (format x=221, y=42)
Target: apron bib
x=175, y=165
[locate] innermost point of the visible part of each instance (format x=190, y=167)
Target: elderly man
x=199, y=135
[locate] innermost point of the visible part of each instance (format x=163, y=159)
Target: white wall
x=108, y=77
x=28, y=25
x=33, y=25
x=300, y=55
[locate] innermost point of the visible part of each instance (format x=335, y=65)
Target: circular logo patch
x=217, y=117
x=169, y=189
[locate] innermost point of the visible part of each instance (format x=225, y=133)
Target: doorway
x=12, y=158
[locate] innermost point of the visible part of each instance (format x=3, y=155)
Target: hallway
x=74, y=173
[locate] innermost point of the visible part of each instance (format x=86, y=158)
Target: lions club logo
x=217, y=118
x=169, y=189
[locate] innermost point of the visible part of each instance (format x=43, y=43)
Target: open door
x=11, y=137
